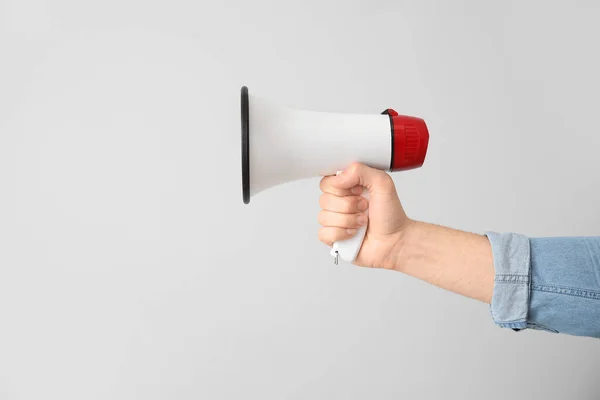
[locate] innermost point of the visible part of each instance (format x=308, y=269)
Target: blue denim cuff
x=511, y=297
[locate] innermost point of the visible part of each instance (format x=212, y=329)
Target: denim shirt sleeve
x=550, y=284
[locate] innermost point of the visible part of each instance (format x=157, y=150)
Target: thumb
x=358, y=174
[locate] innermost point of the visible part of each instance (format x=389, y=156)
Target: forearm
x=454, y=260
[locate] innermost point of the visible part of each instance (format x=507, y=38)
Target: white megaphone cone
x=281, y=144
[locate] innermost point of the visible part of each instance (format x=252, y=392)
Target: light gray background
x=131, y=269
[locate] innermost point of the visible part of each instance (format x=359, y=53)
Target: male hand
x=343, y=211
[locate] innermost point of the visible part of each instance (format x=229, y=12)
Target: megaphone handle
x=348, y=249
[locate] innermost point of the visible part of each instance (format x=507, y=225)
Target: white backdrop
x=131, y=269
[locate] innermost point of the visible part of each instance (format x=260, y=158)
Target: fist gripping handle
x=409, y=142
x=348, y=249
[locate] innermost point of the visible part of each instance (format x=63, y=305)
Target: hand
x=343, y=212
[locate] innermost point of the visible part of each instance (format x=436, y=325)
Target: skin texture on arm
x=453, y=260
x=458, y=261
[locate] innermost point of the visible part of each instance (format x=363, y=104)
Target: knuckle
x=346, y=221
x=349, y=221
x=338, y=234
x=337, y=192
x=323, y=200
x=349, y=204
x=354, y=203
x=354, y=167
x=352, y=170
x=327, y=235
x=321, y=235
x=323, y=184
x=321, y=217
x=384, y=180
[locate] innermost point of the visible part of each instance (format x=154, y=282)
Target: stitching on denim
x=513, y=321
x=515, y=260
x=588, y=294
x=512, y=278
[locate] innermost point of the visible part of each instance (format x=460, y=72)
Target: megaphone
x=281, y=144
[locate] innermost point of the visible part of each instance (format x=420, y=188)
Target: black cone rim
x=245, y=145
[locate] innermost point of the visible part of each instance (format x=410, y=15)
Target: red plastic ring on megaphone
x=410, y=139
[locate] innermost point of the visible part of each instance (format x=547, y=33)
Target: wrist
x=403, y=247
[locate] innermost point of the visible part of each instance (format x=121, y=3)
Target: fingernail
x=339, y=173
x=351, y=231
x=361, y=220
x=357, y=190
x=362, y=205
